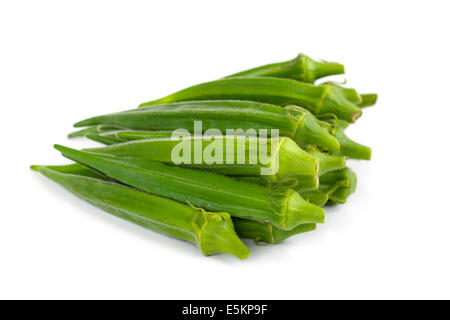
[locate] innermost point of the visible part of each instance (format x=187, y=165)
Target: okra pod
x=277, y=159
x=318, y=100
x=213, y=232
x=242, y=117
x=285, y=209
x=302, y=68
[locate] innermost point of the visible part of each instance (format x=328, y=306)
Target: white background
x=62, y=61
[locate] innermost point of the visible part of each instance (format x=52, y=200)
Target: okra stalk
x=350, y=148
x=318, y=100
x=302, y=68
x=264, y=232
x=242, y=117
x=213, y=232
x=340, y=194
x=335, y=183
x=277, y=159
x=327, y=162
x=208, y=190
x=349, y=93
x=316, y=197
x=368, y=99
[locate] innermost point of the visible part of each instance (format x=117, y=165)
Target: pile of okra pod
x=214, y=204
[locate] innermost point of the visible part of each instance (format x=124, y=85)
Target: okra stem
x=278, y=91
x=368, y=99
x=213, y=232
x=208, y=190
x=350, y=148
x=340, y=194
x=327, y=162
x=301, y=68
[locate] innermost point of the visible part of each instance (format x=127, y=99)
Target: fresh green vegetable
x=207, y=190
x=292, y=121
x=350, y=148
x=232, y=155
x=368, y=99
x=302, y=68
x=144, y=135
x=340, y=194
x=349, y=93
x=327, y=162
x=318, y=100
x=213, y=232
x=265, y=232
x=334, y=184
x=316, y=197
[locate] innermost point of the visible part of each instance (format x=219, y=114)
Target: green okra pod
x=276, y=158
x=285, y=209
x=265, y=232
x=213, y=232
x=302, y=68
x=318, y=100
x=242, y=117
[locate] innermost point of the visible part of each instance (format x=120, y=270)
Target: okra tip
x=87, y=122
x=35, y=167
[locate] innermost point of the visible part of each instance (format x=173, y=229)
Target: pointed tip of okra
x=62, y=148
x=35, y=167
x=87, y=122
x=300, y=211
